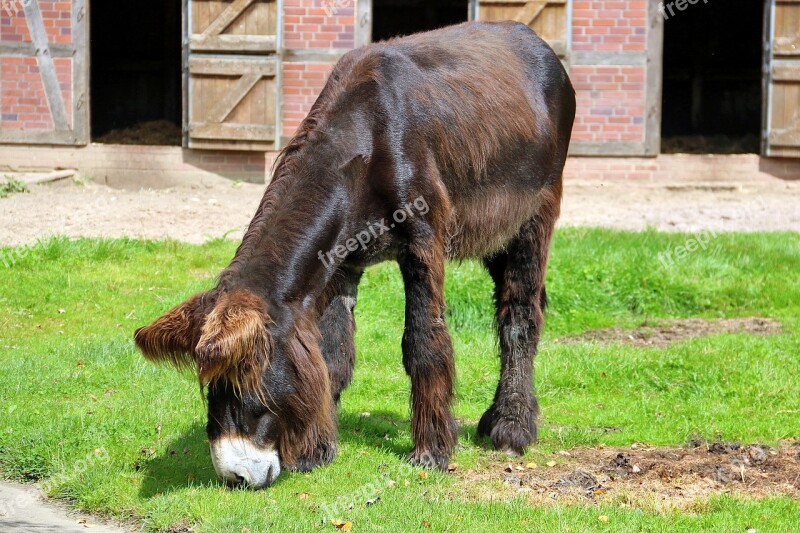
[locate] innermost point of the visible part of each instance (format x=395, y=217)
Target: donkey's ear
x=172, y=337
x=234, y=340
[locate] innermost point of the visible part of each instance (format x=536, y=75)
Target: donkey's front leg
x=338, y=326
x=428, y=355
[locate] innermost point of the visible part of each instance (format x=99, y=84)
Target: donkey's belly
x=484, y=224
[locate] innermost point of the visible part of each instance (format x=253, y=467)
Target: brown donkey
x=443, y=145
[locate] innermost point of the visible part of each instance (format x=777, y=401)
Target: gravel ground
x=198, y=213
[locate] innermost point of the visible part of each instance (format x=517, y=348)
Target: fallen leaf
x=551, y=463
x=245, y=530
x=603, y=518
x=391, y=483
x=423, y=474
x=531, y=465
x=452, y=467
x=599, y=492
x=303, y=495
x=426, y=524
x=342, y=525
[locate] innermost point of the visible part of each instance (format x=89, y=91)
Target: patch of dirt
x=679, y=330
x=153, y=133
x=653, y=478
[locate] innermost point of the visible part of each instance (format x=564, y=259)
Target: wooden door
x=233, y=74
x=44, y=73
x=548, y=18
x=782, y=120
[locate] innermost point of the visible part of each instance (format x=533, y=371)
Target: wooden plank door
x=44, y=73
x=782, y=113
x=232, y=74
x=548, y=18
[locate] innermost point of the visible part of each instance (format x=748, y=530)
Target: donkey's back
x=483, y=109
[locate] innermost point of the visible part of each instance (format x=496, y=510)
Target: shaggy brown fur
x=472, y=122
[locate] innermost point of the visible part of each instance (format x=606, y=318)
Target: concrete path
x=24, y=509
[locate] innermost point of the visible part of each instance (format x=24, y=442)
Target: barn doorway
x=136, y=72
x=392, y=18
x=713, y=99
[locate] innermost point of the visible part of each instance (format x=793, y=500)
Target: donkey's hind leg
x=520, y=299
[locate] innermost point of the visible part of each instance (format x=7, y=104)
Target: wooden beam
x=790, y=137
x=655, y=80
x=233, y=98
x=228, y=66
x=530, y=12
x=233, y=132
x=234, y=43
x=227, y=17
x=594, y=58
x=363, y=35
x=24, y=49
x=786, y=72
x=313, y=55
x=14, y=136
x=606, y=148
x=80, y=72
x=47, y=67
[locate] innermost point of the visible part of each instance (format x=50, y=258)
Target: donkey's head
x=269, y=400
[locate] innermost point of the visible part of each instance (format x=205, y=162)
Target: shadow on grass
x=185, y=462
x=392, y=432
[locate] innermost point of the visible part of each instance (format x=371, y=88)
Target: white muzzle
x=239, y=462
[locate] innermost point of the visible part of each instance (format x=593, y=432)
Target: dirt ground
x=678, y=330
x=655, y=479
x=222, y=208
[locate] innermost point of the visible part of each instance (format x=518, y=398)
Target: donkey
x=464, y=131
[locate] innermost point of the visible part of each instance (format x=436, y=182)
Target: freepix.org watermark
x=13, y=7
x=373, y=231
x=332, y=7
x=668, y=9
x=699, y=241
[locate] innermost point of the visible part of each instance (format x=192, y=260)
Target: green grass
x=84, y=414
x=11, y=185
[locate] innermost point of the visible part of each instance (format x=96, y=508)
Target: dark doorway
x=392, y=18
x=136, y=72
x=712, y=77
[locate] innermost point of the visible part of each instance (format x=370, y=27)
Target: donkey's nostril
x=239, y=480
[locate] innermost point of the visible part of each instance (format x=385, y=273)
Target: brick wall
x=302, y=82
x=319, y=24
x=611, y=99
x=312, y=25
x=22, y=97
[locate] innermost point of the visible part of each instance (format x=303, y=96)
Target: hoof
x=428, y=459
x=509, y=433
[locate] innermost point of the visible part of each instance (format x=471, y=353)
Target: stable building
x=155, y=92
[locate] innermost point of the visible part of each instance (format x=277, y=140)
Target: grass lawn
x=83, y=413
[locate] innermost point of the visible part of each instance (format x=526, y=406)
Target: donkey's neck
x=302, y=216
